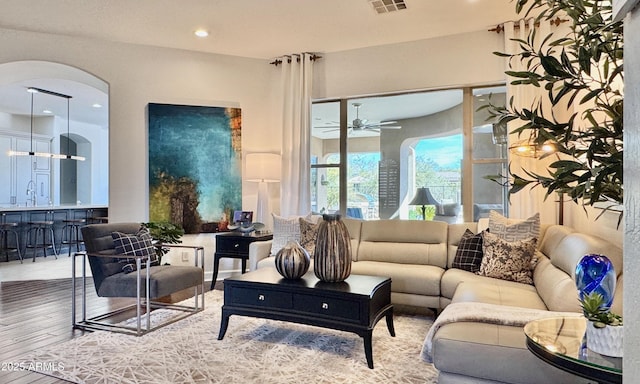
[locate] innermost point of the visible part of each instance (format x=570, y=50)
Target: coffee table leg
x=390, y=326
x=223, y=325
x=368, y=349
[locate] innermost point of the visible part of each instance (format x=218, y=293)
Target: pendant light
x=32, y=91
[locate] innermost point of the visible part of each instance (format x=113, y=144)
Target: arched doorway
x=81, y=126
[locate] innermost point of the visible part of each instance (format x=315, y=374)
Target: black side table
x=234, y=245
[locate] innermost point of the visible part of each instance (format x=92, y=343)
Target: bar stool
x=71, y=233
x=38, y=229
x=91, y=219
x=7, y=229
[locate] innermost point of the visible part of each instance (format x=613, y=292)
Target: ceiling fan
x=362, y=125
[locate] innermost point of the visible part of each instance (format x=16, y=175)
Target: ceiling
x=262, y=29
x=254, y=28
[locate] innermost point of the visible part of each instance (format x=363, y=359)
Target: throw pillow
x=513, y=230
x=138, y=244
x=507, y=260
x=469, y=253
x=287, y=228
x=308, y=234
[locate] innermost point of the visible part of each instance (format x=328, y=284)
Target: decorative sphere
x=292, y=261
x=595, y=273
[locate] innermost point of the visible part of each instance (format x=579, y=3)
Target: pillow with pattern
x=507, y=260
x=138, y=244
x=469, y=253
x=308, y=234
x=286, y=229
x=512, y=229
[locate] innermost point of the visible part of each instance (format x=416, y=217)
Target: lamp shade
x=262, y=167
x=423, y=197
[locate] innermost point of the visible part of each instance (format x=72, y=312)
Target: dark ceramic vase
x=292, y=261
x=332, y=255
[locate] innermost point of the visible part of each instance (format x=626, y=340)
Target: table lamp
x=423, y=197
x=262, y=168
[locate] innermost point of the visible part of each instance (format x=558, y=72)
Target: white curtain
x=530, y=200
x=297, y=78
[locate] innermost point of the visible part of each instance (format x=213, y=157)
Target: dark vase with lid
x=332, y=255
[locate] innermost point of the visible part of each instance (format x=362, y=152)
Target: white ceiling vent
x=385, y=6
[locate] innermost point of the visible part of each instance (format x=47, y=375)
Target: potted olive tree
x=581, y=72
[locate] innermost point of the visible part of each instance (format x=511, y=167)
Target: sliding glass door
x=371, y=154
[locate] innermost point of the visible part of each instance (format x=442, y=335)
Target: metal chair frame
x=98, y=323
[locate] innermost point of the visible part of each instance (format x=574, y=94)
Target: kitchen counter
x=15, y=208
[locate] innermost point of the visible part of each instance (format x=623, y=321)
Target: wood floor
x=36, y=314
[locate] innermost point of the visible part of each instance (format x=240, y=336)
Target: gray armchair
x=147, y=283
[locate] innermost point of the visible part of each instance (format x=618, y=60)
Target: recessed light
x=47, y=111
x=201, y=33
x=96, y=105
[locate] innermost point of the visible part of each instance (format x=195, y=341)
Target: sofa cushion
x=405, y=278
x=469, y=252
x=404, y=242
x=496, y=353
x=515, y=295
x=512, y=229
x=508, y=260
x=454, y=277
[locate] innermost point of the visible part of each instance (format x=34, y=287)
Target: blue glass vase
x=595, y=273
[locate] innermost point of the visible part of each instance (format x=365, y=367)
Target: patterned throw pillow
x=308, y=234
x=138, y=244
x=287, y=228
x=284, y=229
x=507, y=260
x=469, y=253
x=513, y=230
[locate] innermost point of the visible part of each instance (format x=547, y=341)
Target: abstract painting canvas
x=195, y=164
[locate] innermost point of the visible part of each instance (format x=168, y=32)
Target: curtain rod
x=277, y=62
x=500, y=27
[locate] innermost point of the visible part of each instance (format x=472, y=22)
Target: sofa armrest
x=258, y=250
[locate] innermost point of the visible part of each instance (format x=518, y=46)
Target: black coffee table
x=355, y=305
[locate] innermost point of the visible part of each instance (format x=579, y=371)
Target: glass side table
x=561, y=342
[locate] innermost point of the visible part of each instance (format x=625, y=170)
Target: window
x=370, y=154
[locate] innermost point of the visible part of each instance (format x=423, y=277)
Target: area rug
x=252, y=351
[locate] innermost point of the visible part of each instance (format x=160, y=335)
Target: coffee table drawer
x=260, y=298
x=336, y=308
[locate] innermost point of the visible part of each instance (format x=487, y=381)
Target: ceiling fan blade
x=386, y=122
x=374, y=126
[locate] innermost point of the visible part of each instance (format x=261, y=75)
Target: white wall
x=464, y=59
x=138, y=75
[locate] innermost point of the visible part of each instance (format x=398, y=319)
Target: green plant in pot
x=580, y=73
x=604, y=328
x=164, y=233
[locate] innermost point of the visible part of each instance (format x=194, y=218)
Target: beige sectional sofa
x=418, y=255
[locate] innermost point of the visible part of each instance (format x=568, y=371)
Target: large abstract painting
x=195, y=165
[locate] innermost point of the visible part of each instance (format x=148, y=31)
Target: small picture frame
x=244, y=217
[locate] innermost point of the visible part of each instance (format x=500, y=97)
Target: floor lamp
x=262, y=168
x=423, y=197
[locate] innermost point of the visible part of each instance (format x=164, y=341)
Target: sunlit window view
x=404, y=158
